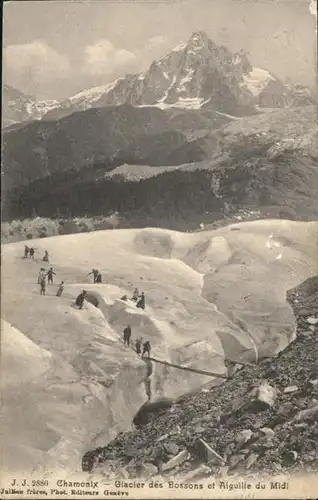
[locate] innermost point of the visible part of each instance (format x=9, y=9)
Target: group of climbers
x=29, y=252
x=138, y=343
x=43, y=274
x=138, y=298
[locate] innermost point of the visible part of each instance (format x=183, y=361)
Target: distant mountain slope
x=158, y=174
x=198, y=73
x=109, y=136
x=19, y=107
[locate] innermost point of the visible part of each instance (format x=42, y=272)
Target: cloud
x=155, y=43
x=103, y=58
x=35, y=61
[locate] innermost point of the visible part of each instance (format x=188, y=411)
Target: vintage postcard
x=159, y=233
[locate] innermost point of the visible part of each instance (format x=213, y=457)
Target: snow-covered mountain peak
x=94, y=94
x=199, y=39
x=196, y=73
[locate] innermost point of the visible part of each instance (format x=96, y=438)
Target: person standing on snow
x=60, y=289
x=26, y=251
x=146, y=349
x=42, y=275
x=98, y=277
x=50, y=274
x=46, y=256
x=95, y=273
x=42, y=286
x=141, y=301
x=80, y=299
x=138, y=343
x=127, y=335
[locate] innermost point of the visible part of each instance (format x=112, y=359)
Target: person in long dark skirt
x=141, y=303
x=80, y=299
x=127, y=335
x=146, y=349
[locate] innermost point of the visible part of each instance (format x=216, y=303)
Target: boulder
x=171, y=448
x=311, y=414
x=312, y=321
x=177, y=460
x=291, y=388
x=148, y=470
x=207, y=452
x=260, y=398
x=162, y=438
x=131, y=452
x=198, y=473
x=251, y=460
x=305, y=333
x=266, y=394
x=276, y=467
x=285, y=409
x=236, y=460
x=198, y=429
x=244, y=436
x=267, y=432
x=223, y=471
x=290, y=457
x=301, y=425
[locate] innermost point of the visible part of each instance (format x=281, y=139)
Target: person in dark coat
x=127, y=335
x=42, y=275
x=42, y=286
x=98, y=277
x=146, y=348
x=46, y=256
x=80, y=299
x=141, y=301
x=31, y=253
x=26, y=251
x=50, y=274
x=95, y=273
x=138, y=345
x=60, y=289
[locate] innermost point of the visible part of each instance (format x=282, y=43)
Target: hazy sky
x=54, y=49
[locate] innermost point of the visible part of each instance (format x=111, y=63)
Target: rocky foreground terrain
x=263, y=419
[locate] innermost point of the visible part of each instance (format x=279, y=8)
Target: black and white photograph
x=159, y=241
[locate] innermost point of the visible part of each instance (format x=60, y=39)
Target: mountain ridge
x=195, y=74
x=19, y=107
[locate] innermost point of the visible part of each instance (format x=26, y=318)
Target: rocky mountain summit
x=262, y=419
x=195, y=74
